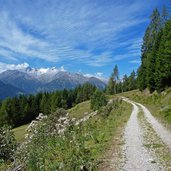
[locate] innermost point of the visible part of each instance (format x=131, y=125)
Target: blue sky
x=87, y=36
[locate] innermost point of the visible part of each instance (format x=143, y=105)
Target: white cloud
x=99, y=74
x=24, y=66
x=14, y=40
x=52, y=32
x=135, y=62
x=4, y=66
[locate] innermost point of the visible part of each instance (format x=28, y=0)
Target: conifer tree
x=112, y=84
x=163, y=63
x=146, y=72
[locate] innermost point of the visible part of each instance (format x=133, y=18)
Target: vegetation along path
x=146, y=144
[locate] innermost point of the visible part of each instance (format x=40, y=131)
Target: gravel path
x=162, y=132
x=137, y=157
x=147, y=144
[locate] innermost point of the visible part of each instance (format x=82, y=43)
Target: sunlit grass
x=80, y=110
x=158, y=104
x=19, y=132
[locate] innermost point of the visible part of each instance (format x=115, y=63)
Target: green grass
x=153, y=145
x=79, y=110
x=105, y=129
x=158, y=104
x=89, y=141
x=19, y=132
x=83, y=144
x=76, y=112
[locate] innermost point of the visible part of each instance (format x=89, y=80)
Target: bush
x=112, y=105
x=98, y=100
x=7, y=143
x=58, y=144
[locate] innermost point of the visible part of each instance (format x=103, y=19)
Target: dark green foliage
x=112, y=84
x=132, y=81
x=98, y=100
x=23, y=109
x=163, y=61
x=115, y=85
x=7, y=143
x=146, y=71
x=112, y=105
x=155, y=70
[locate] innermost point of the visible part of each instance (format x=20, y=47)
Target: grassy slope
x=19, y=132
x=106, y=128
x=76, y=112
x=80, y=110
x=158, y=104
x=96, y=137
x=103, y=129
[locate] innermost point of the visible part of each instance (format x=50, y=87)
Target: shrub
x=7, y=143
x=57, y=144
x=112, y=105
x=98, y=100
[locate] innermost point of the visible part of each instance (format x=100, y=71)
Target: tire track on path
x=161, y=131
x=137, y=157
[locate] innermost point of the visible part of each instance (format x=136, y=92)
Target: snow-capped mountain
x=44, y=75
x=31, y=80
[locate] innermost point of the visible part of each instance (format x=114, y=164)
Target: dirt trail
x=147, y=144
x=162, y=132
x=137, y=157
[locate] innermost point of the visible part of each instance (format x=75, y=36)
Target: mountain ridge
x=32, y=81
x=7, y=90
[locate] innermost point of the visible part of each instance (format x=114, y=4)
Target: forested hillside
x=23, y=109
x=155, y=70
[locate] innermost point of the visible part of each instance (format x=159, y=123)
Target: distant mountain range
x=7, y=90
x=31, y=80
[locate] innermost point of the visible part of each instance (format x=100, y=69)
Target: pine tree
x=44, y=106
x=112, y=84
x=132, y=81
x=3, y=114
x=163, y=63
x=115, y=77
x=146, y=72
x=164, y=16
x=125, y=83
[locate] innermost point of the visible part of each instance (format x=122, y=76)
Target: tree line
x=118, y=85
x=155, y=70
x=23, y=109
